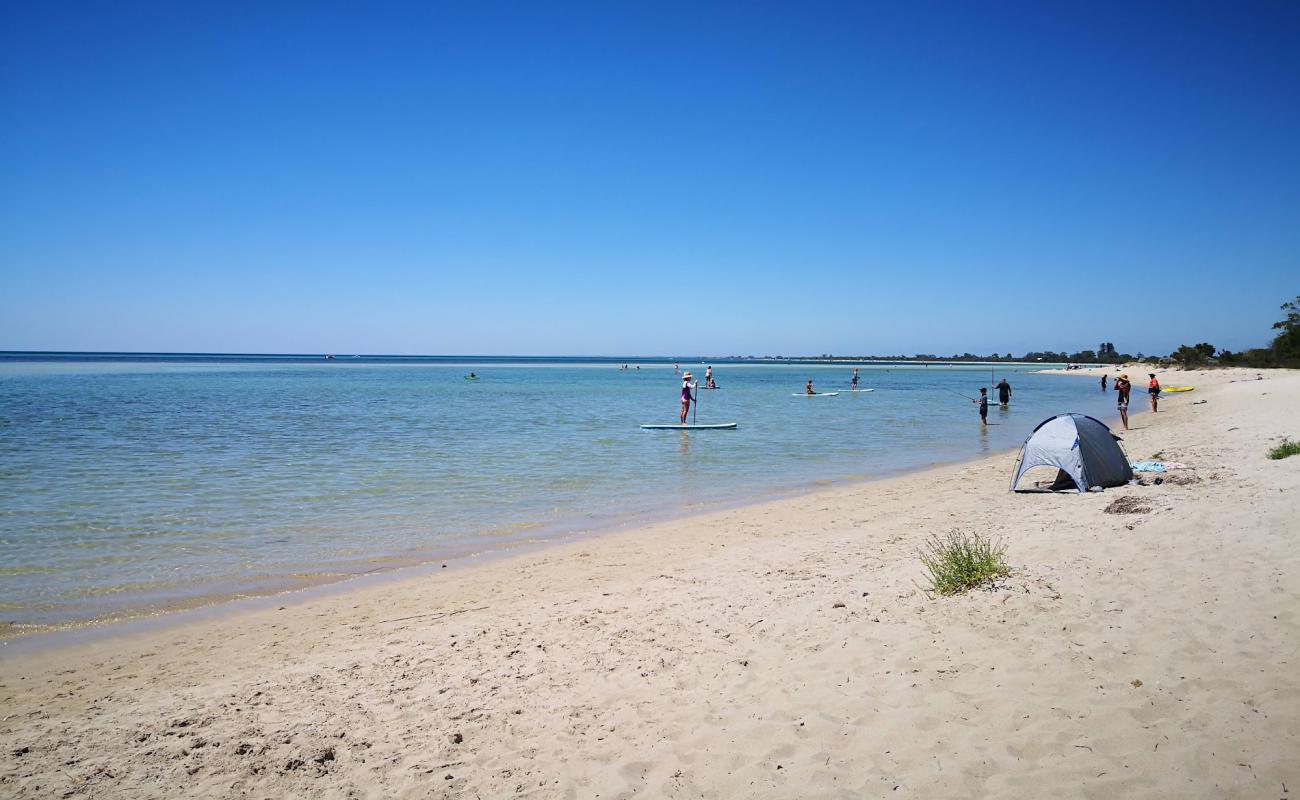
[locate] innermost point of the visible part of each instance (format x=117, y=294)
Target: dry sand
x=776, y=650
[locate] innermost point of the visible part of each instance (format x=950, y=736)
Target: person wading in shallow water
x=983, y=402
x=1004, y=393
x=1123, y=387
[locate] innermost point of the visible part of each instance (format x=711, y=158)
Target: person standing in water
x=983, y=402
x=808, y=389
x=677, y=368
x=1123, y=387
x=853, y=384
x=1153, y=390
x=1004, y=393
x=1104, y=376
x=687, y=397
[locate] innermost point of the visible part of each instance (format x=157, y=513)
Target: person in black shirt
x=1004, y=392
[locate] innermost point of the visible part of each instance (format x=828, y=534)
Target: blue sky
x=548, y=178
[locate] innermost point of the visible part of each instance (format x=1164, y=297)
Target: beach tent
x=1084, y=451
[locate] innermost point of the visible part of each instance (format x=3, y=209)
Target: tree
x=1191, y=355
x=1286, y=345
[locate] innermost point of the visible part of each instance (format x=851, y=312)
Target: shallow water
x=128, y=484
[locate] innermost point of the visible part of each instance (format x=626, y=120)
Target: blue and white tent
x=1085, y=452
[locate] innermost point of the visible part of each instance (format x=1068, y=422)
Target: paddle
x=696, y=404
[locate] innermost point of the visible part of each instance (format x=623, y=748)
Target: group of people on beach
x=1123, y=386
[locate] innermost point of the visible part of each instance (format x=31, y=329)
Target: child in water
x=984, y=405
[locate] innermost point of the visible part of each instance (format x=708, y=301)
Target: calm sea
x=130, y=483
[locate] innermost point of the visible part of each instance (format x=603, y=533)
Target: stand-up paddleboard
x=818, y=394
x=860, y=391
x=721, y=426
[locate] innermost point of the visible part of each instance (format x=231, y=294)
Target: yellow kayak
x=1166, y=389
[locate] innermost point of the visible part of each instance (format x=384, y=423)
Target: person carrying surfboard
x=809, y=388
x=687, y=397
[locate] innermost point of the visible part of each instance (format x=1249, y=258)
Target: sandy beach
x=784, y=649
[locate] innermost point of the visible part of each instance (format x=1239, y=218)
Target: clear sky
x=647, y=178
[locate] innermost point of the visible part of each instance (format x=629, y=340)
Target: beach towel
x=1148, y=466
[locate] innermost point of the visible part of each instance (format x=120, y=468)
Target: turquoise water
x=127, y=485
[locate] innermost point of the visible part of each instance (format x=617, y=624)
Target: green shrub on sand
x=1287, y=448
x=960, y=562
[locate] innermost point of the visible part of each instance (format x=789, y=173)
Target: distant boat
x=329, y=356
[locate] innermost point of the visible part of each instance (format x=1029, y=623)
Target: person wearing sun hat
x=687, y=386
x=1123, y=386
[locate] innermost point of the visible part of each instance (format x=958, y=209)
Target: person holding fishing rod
x=983, y=403
x=687, y=397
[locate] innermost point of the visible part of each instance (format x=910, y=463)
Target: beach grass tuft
x=960, y=562
x=1287, y=448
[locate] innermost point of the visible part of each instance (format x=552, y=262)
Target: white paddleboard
x=819, y=394
x=860, y=391
x=721, y=426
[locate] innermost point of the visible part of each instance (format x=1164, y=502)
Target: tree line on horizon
x=1283, y=351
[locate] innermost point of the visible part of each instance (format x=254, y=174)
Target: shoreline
x=338, y=576
x=172, y=564
x=30, y=637
x=781, y=649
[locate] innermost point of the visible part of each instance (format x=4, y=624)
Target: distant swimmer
x=1004, y=393
x=983, y=403
x=687, y=386
x=853, y=384
x=471, y=377
x=676, y=367
x=809, y=388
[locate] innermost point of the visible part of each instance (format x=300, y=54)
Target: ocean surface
x=135, y=483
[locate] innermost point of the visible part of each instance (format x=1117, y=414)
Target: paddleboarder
x=687, y=397
x=809, y=388
x=853, y=384
x=708, y=379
